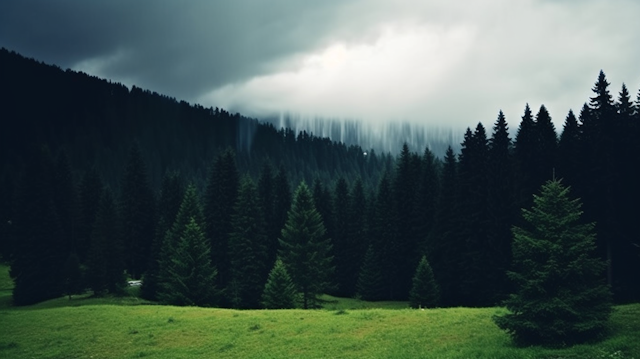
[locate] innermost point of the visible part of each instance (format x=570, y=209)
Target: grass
x=129, y=328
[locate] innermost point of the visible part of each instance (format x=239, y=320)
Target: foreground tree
x=191, y=278
x=424, y=292
x=560, y=296
x=304, y=248
x=279, y=292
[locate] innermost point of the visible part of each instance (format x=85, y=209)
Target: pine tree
x=445, y=246
x=525, y=159
x=427, y=200
x=137, y=211
x=424, y=290
x=357, y=227
x=343, y=245
x=266, y=194
x=569, y=150
x=371, y=285
x=220, y=199
x=500, y=209
x=560, y=296
x=279, y=291
x=171, y=196
x=189, y=209
x=105, y=266
x=192, y=278
x=546, y=147
x=304, y=248
x=247, y=248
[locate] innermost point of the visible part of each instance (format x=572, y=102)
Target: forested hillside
x=99, y=181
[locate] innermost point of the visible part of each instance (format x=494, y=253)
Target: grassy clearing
x=96, y=328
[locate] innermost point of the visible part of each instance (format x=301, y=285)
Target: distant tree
x=445, y=247
x=171, y=196
x=560, y=296
x=137, y=211
x=384, y=242
x=192, y=278
x=247, y=249
x=371, y=284
x=525, y=147
x=267, y=196
x=424, y=290
x=546, y=147
x=569, y=150
x=357, y=234
x=344, y=247
x=279, y=291
x=219, y=201
x=105, y=265
x=428, y=200
x=304, y=248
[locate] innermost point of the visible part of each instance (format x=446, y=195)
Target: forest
x=101, y=183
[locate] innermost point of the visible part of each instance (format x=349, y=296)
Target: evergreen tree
x=424, y=291
x=171, y=196
x=384, y=240
x=189, y=209
x=500, y=209
x=445, y=246
x=344, y=246
x=304, y=248
x=357, y=234
x=279, y=291
x=137, y=210
x=427, y=200
x=192, y=278
x=560, y=297
x=247, y=249
x=105, y=265
x=525, y=159
x=546, y=147
x=371, y=285
x=266, y=194
x=405, y=188
x=569, y=150
x=220, y=199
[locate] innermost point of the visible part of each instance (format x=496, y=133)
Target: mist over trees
x=138, y=184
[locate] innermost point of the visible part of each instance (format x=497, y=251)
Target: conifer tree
x=343, y=245
x=105, y=272
x=189, y=209
x=191, y=276
x=220, y=199
x=247, y=249
x=137, y=210
x=560, y=297
x=424, y=290
x=371, y=285
x=446, y=248
x=279, y=291
x=525, y=159
x=171, y=196
x=569, y=150
x=427, y=199
x=546, y=147
x=267, y=195
x=357, y=233
x=304, y=248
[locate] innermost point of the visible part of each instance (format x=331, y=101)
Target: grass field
x=130, y=328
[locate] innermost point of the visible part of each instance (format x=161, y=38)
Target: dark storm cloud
x=178, y=47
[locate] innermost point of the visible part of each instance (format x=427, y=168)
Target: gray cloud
x=423, y=61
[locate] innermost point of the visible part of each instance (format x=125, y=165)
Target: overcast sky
x=450, y=63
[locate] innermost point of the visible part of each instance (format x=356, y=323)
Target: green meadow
x=127, y=327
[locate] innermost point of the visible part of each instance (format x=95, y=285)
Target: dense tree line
x=177, y=195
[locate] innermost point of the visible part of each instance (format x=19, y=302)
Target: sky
x=436, y=63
